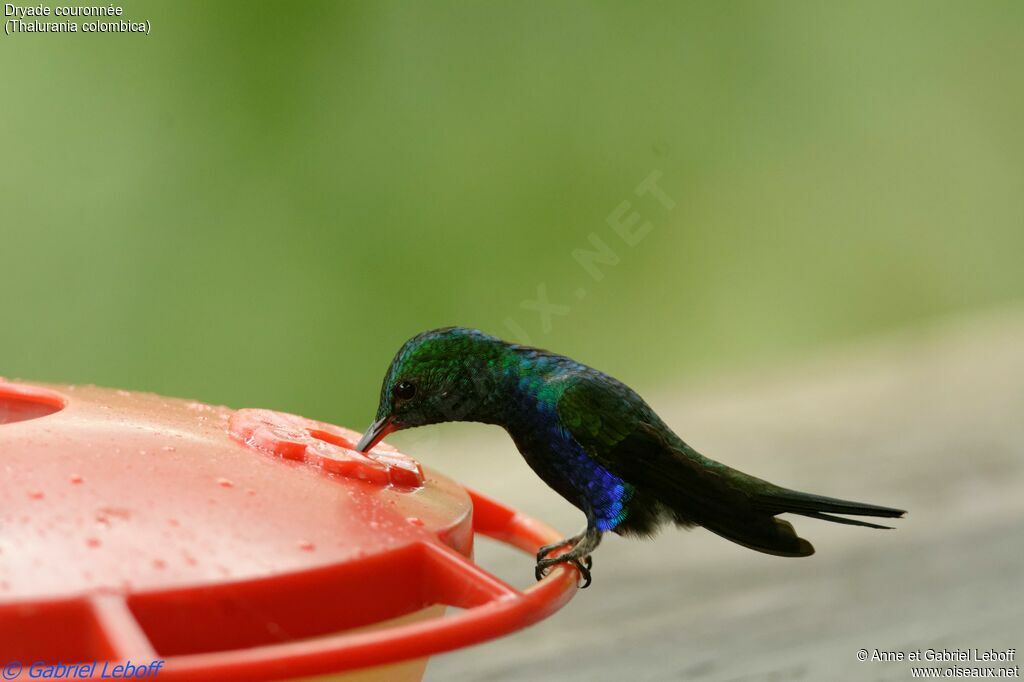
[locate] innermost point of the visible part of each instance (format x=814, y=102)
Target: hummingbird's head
x=441, y=375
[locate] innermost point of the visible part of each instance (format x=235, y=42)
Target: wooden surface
x=931, y=421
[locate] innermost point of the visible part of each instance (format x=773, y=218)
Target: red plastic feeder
x=244, y=544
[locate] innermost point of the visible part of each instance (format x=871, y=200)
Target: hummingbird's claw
x=547, y=549
x=584, y=569
x=579, y=555
x=582, y=564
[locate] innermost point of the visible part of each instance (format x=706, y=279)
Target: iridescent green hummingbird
x=594, y=441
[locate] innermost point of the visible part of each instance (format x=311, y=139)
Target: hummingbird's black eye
x=404, y=390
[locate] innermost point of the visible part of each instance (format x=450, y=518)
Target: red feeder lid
x=235, y=544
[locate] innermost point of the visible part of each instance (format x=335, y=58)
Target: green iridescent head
x=442, y=375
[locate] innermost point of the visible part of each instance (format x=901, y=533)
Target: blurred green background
x=257, y=203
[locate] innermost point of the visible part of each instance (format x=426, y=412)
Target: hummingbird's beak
x=375, y=433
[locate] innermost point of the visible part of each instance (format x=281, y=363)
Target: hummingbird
x=597, y=443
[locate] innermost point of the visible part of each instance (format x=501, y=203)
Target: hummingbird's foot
x=579, y=556
x=546, y=549
x=583, y=566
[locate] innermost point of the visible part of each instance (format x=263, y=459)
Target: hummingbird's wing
x=621, y=432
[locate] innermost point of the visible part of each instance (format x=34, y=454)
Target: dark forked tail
x=759, y=528
x=781, y=500
x=697, y=490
